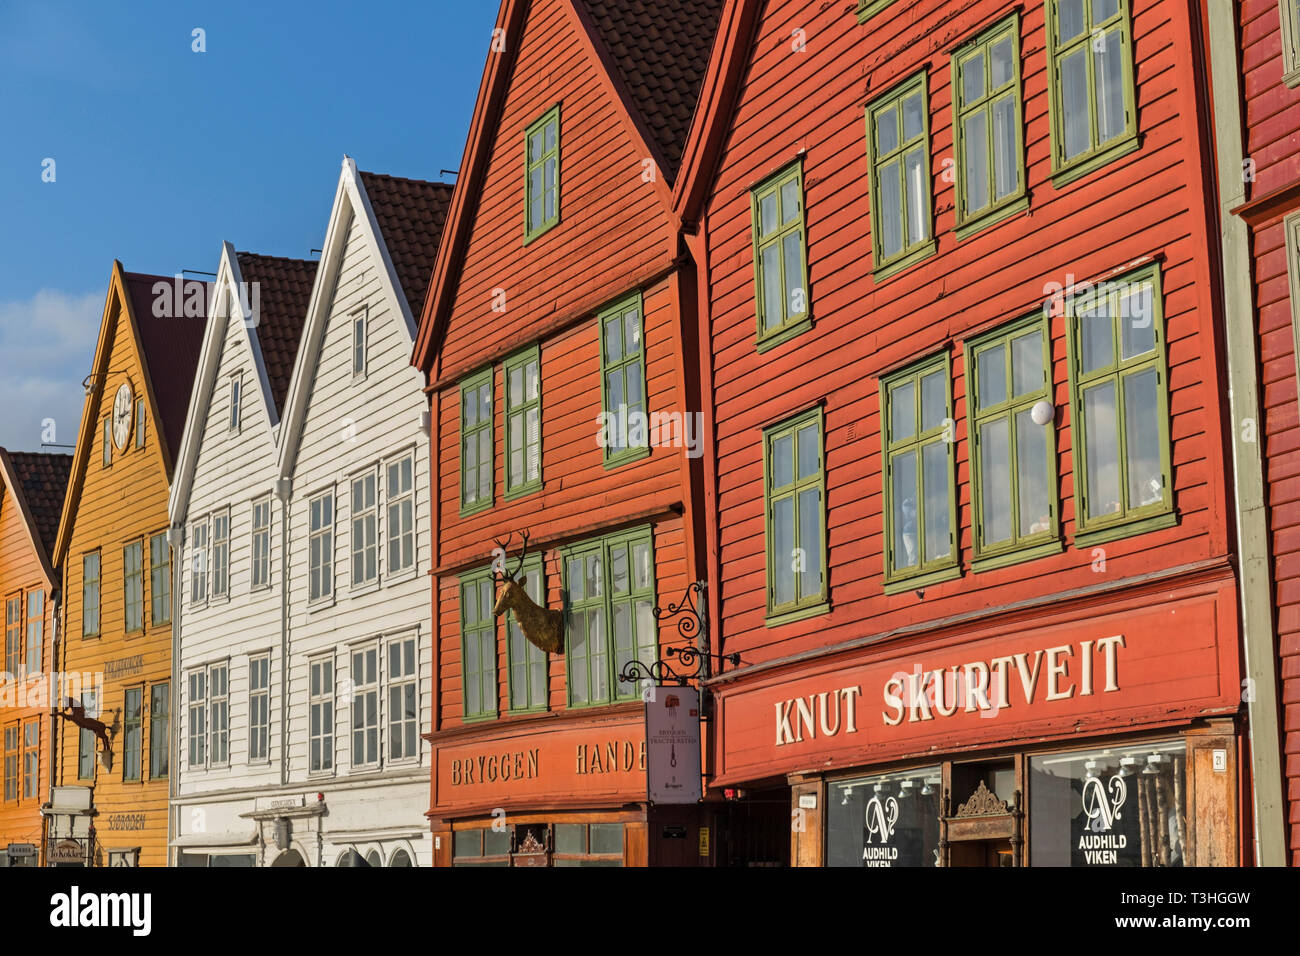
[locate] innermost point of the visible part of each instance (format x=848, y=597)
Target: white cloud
x=47, y=344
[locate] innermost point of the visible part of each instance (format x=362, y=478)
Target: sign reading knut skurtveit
x=672, y=733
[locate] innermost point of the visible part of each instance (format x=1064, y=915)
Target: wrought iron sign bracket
x=690, y=616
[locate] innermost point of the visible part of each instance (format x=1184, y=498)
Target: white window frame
x=220, y=562
x=236, y=402
x=395, y=721
x=200, y=539
x=360, y=342
x=260, y=546
x=196, y=718
x=358, y=690
x=371, y=514
x=392, y=528
x=320, y=698
x=259, y=693
x=219, y=703
x=324, y=534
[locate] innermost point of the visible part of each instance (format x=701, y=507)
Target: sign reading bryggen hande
x=951, y=691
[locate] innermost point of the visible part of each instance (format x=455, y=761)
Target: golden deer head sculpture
x=542, y=627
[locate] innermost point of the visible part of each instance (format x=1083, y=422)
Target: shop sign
x=672, y=733
x=21, y=851
x=68, y=851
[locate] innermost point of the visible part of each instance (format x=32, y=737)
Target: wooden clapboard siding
x=113, y=506
x=351, y=425
x=1272, y=109
x=1149, y=203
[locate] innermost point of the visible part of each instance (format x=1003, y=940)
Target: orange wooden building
x=32, y=487
x=561, y=296
x=118, y=576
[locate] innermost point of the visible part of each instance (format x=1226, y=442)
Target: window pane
x=796, y=297
x=808, y=456
x=782, y=461
x=936, y=475
x=783, y=551
x=1027, y=363
x=1069, y=18
x=991, y=377
x=1103, y=10
x=773, y=296
x=903, y=502
x=887, y=131
x=918, y=197
x=1033, y=479
x=1002, y=65
x=1101, y=449
x=912, y=117
x=641, y=566
x=570, y=838
x=1006, y=159
x=810, y=509
x=1074, y=102
x=902, y=412
x=618, y=569
x=1142, y=438
x=607, y=838
x=889, y=221
x=1095, y=327
x=767, y=214
x=995, y=481
x=1109, y=75
x=934, y=399
x=789, y=201
x=972, y=78
x=1137, y=330
x=976, y=172
x=613, y=340
x=599, y=664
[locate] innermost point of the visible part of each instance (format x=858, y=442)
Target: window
x=523, y=422
x=795, y=471
x=898, y=153
x=221, y=554
x=365, y=527
x=320, y=574
x=399, y=496
x=1290, y=16
x=108, y=442
x=133, y=725
x=322, y=714
x=159, y=729
x=987, y=124
x=780, y=257
x=1013, y=460
x=199, y=563
x=1093, y=101
x=14, y=634
x=198, y=723
x=235, y=396
x=364, y=705
x=133, y=585
x=476, y=443
x=920, y=495
x=90, y=594
x=403, y=700
x=481, y=847
x=907, y=803
x=12, y=755
x=527, y=663
x=219, y=710
x=588, y=844
x=259, y=709
x=478, y=644
x=261, y=544
x=401, y=858
x=139, y=423
x=35, y=630
x=86, y=741
x=622, y=367
x=542, y=177
x=611, y=621
x=160, y=579
x=359, y=344
x=31, y=759
x=1118, y=407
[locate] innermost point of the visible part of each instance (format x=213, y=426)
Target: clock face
x=122, y=416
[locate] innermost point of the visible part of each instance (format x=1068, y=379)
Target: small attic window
x=108, y=442
x=542, y=175
x=359, y=344
x=235, y=401
x=139, y=423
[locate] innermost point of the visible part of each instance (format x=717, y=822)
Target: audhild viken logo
x=75, y=909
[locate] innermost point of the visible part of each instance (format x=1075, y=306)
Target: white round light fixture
x=1042, y=412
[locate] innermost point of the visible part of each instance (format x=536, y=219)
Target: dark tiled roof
x=171, y=344
x=284, y=291
x=43, y=480
x=661, y=48
x=410, y=214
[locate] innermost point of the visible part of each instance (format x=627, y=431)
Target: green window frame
x=1090, y=44
x=523, y=421
x=919, y=440
x=623, y=382
x=1012, y=459
x=90, y=574
x=898, y=157
x=542, y=175
x=1289, y=13
x=869, y=8
x=988, y=128
x=794, y=491
x=610, y=587
x=477, y=443
x=527, y=664
x=478, y=645
x=781, y=296
x=1123, y=478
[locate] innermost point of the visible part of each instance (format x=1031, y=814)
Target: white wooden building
x=304, y=683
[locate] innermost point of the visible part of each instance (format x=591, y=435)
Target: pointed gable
x=284, y=292
x=661, y=50
x=410, y=214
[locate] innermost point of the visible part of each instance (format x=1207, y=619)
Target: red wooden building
x=968, y=449
x=1255, y=57
x=556, y=329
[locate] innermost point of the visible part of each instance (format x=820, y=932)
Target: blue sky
x=161, y=153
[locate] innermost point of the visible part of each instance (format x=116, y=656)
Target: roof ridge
x=405, y=179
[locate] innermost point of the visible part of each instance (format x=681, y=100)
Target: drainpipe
x=283, y=490
x=1264, y=718
x=176, y=541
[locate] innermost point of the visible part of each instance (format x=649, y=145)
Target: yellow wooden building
x=110, y=795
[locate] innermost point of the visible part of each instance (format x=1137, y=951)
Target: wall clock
x=122, y=416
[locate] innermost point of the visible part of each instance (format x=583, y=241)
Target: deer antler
x=522, y=554
x=504, y=547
